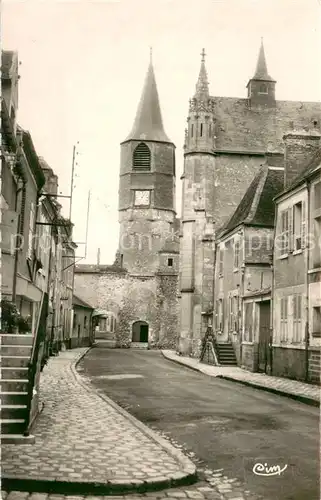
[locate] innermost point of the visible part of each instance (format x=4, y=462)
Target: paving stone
x=72, y=434
x=17, y=495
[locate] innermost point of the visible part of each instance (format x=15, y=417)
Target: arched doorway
x=140, y=331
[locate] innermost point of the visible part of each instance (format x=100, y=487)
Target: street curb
x=186, y=477
x=296, y=397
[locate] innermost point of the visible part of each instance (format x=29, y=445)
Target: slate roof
x=77, y=301
x=261, y=72
x=259, y=129
x=257, y=207
x=148, y=123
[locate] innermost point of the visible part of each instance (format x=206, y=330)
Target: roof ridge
x=262, y=174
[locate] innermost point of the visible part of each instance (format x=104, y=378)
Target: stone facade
x=152, y=299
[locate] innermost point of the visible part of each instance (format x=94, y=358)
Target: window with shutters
x=284, y=319
x=142, y=157
x=297, y=226
x=31, y=230
x=297, y=318
x=248, y=322
x=284, y=240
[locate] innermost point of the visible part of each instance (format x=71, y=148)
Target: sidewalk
x=86, y=444
x=306, y=393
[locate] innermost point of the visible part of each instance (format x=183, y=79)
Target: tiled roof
x=257, y=206
x=77, y=301
x=259, y=129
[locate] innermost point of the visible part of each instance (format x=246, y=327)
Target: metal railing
x=34, y=358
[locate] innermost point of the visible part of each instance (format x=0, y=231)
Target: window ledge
x=316, y=335
x=284, y=256
x=314, y=270
x=297, y=252
x=236, y=269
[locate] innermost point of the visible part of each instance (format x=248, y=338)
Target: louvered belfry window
x=141, y=157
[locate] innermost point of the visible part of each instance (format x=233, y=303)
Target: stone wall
x=134, y=298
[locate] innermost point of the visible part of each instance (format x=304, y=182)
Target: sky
x=83, y=65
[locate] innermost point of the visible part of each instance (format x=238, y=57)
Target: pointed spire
x=202, y=82
x=261, y=72
x=148, y=123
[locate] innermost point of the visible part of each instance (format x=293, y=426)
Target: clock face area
x=142, y=198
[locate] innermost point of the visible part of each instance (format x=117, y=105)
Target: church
x=162, y=287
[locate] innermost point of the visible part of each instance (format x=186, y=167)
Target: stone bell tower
x=146, y=186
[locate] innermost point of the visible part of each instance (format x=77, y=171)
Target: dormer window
x=142, y=157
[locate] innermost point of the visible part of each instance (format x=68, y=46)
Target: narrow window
x=142, y=157
x=297, y=226
x=236, y=255
x=248, y=332
x=85, y=322
x=263, y=89
x=316, y=317
x=210, y=130
x=221, y=262
x=201, y=129
x=170, y=262
x=284, y=319
x=317, y=196
x=192, y=130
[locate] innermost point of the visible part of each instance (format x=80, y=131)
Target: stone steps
x=15, y=355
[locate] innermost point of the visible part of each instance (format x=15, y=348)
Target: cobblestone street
x=86, y=444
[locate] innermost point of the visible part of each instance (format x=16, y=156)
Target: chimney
x=300, y=146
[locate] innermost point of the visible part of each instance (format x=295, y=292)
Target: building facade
x=297, y=277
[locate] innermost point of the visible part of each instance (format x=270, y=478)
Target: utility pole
x=87, y=225
x=72, y=177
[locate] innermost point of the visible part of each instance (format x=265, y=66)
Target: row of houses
x=268, y=266
x=37, y=259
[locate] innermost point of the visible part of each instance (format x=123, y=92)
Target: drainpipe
x=307, y=260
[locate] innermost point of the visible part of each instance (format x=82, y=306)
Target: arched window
x=263, y=89
x=201, y=132
x=141, y=157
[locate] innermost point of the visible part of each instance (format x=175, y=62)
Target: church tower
x=146, y=187
x=261, y=88
x=196, y=245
